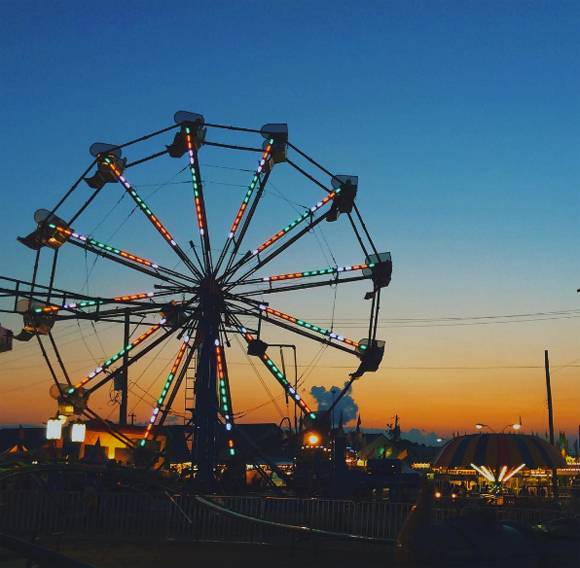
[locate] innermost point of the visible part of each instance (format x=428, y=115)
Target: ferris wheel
x=210, y=296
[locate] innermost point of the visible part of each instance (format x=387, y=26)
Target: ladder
x=190, y=399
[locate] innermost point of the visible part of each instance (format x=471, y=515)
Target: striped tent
x=497, y=450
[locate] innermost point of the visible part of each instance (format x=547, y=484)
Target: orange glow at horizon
x=433, y=396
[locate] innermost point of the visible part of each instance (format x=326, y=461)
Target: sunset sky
x=461, y=119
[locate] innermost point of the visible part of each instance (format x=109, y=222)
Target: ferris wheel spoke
x=264, y=261
x=198, y=198
x=165, y=390
x=83, y=302
x=305, y=328
x=299, y=221
x=114, y=358
x=303, y=286
x=335, y=270
x=277, y=374
x=224, y=396
x=296, y=222
x=110, y=314
x=260, y=179
x=120, y=256
x=35, y=292
x=331, y=335
x=149, y=347
x=175, y=388
x=159, y=227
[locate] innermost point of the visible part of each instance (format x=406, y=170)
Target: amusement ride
x=210, y=296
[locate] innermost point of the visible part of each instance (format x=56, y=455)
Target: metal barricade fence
x=162, y=516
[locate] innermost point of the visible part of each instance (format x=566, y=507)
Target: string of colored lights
x=312, y=327
x=132, y=297
x=85, y=240
x=106, y=364
x=296, y=222
x=165, y=390
x=142, y=205
x=88, y=303
x=279, y=376
x=224, y=396
x=198, y=198
x=197, y=188
x=251, y=188
x=311, y=273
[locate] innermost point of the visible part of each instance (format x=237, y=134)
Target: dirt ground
x=127, y=554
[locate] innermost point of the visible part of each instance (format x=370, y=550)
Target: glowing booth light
x=53, y=429
x=78, y=432
x=313, y=439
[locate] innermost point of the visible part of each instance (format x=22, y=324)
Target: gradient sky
x=462, y=120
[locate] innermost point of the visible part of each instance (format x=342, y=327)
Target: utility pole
x=549, y=391
x=550, y=418
x=124, y=382
x=293, y=347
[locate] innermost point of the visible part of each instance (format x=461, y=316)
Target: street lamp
x=517, y=426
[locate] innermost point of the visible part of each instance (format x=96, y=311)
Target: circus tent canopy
x=498, y=450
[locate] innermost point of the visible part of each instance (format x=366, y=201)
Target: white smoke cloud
x=347, y=407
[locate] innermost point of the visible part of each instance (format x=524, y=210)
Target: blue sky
x=462, y=120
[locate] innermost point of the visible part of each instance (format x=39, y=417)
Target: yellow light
x=513, y=472
x=420, y=465
x=66, y=409
x=489, y=472
x=516, y=426
x=453, y=495
x=437, y=494
x=313, y=439
x=502, y=473
x=482, y=472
